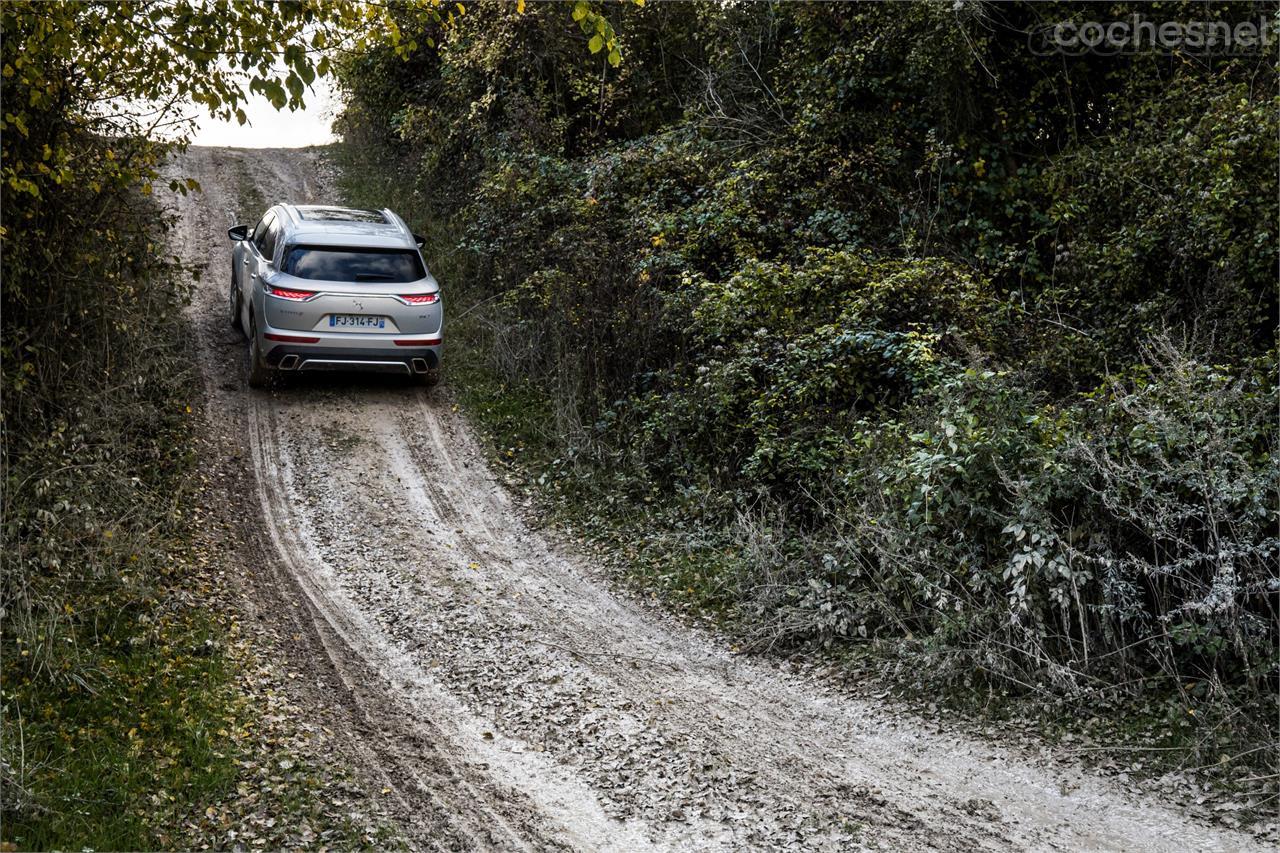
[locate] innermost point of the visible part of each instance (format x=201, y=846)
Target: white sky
x=269, y=128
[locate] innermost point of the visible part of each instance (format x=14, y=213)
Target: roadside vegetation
x=867, y=329
x=130, y=720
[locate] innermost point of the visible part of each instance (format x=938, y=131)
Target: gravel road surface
x=505, y=695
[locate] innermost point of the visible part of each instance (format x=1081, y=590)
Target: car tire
x=259, y=373
x=234, y=305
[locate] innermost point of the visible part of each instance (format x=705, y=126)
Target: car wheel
x=233, y=304
x=259, y=373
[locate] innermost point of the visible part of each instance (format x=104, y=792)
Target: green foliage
x=117, y=763
x=111, y=695
x=793, y=357
x=866, y=323
x=1089, y=533
x=116, y=712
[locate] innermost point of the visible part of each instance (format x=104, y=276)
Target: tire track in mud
x=450, y=795
x=507, y=640
x=510, y=698
x=631, y=680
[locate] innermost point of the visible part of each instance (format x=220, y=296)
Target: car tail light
x=417, y=342
x=421, y=298
x=295, y=295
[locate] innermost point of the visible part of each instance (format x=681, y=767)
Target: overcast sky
x=268, y=128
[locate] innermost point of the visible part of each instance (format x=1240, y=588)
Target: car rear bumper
x=306, y=351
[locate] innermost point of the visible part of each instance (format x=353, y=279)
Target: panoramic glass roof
x=340, y=214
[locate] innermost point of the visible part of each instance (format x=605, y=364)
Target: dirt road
x=507, y=696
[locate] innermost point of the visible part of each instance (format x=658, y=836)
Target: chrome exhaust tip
x=289, y=362
x=420, y=365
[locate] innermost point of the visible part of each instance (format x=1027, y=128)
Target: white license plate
x=356, y=321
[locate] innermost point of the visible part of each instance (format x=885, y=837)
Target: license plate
x=356, y=321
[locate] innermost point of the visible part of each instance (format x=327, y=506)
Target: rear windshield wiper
x=372, y=276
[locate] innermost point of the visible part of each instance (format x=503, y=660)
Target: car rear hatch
x=356, y=291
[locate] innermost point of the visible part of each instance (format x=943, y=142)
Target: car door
x=256, y=263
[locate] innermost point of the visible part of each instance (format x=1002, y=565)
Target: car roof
x=332, y=225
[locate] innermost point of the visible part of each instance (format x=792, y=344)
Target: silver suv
x=334, y=288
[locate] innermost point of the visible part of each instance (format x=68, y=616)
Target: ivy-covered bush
x=869, y=311
x=1131, y=531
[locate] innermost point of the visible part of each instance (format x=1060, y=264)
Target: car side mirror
x=238, y=233
x=420, y=240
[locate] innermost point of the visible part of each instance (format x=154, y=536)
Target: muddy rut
x=504, y=696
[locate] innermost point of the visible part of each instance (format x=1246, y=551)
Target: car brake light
x=421, y=298
x=295, y=295
x=417, y=342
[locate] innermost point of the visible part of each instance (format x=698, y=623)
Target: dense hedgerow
x=121, y=719
x=895, y=329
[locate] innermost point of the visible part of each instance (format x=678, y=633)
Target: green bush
x=792, y=355
x=1130, y=531
x=854, y=326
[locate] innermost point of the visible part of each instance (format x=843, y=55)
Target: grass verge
x=135, y=716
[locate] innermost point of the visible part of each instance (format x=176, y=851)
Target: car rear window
x=324, y=263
